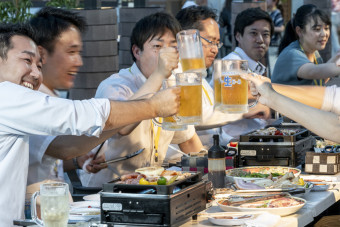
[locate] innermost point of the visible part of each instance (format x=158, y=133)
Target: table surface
x=317, y=202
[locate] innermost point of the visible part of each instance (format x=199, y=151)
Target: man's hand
x=259, y=85
x=93, y=166
x=167, y=61
x=166, y=102
x=96, y=165
x=258, y=111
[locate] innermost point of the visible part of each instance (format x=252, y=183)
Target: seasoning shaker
x=216, y=164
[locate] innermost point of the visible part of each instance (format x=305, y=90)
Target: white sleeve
x=24, y=111
x=182, y=136
x=331, y=101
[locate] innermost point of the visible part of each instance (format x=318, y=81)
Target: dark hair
x=279, y=6
x=303, y=15
x=7, y=31
x=248, y=17
x=152, y=26
x=50, y=22
x=191, y=17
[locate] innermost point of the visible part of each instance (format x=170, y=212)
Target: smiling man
x=25, y=112
x=152, y=49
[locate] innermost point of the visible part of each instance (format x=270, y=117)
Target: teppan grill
x=153, y=205
x=259, y=149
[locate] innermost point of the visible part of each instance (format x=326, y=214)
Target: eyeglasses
x=212, y=44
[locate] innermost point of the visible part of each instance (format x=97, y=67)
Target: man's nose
x=36, y=72
x=259, y=38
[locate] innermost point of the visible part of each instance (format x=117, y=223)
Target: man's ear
x=238, y=37
x=136, y=52
x=43, y=54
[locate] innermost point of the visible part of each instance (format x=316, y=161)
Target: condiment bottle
x=216, y=164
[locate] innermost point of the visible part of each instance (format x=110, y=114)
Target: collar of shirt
x=254, y=66
x=140, y=78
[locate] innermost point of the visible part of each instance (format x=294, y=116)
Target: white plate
x=219, y=220
x=93, y=197
x=282, y=211
x=85, y=211
x=261, y=169
x=85, y=204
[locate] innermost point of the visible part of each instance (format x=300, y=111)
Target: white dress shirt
x=25, y=112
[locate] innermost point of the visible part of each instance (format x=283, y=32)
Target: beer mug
x=170, y=123
x=217, y=74
x=190, y=109
x=234, y=89
x=54, y=205
x=190, y=51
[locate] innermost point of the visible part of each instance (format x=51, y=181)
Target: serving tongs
x=124, y=157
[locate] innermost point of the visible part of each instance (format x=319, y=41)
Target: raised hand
x=167, y=61
x=259, y=85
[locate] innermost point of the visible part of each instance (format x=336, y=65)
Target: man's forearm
x=309, y=95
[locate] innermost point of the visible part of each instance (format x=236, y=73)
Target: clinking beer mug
x=170, y=123
x=190, y=51
x=190, y=109
x=54, y=205
x=231, y=91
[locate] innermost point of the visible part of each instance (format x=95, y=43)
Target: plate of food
x=280, y=204
x=258, y=172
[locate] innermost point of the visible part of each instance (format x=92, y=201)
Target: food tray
x=252, y=137
x=159, y=189
x=262, y=169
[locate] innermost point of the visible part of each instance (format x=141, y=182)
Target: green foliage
x=15, y=11
x=68, y=4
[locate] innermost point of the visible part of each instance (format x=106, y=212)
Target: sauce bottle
x=216, y=164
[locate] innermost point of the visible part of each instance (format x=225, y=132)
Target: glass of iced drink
x=54, y=205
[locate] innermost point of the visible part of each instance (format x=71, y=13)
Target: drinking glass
x=190, y=110
x=234, y=89
x=169, y=123
x=217, y=74
x=190, y=51
x=54, y=205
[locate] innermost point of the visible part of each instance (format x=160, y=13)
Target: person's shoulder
x=232, y=55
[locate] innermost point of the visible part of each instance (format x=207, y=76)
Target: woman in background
x=275, y=11
x=299, y=62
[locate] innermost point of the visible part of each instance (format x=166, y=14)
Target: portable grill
x=275, y=150
x=153, y=205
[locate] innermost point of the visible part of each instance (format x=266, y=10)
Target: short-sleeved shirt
x=122, y=86
x=289, y=62
x=24, y=112
x=331, y=100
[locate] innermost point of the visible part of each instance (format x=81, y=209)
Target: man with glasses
x=203, y=19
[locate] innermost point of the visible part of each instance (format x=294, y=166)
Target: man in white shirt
x=24, y=112
x=58, y=36
x=253, y=29
x=153, y=49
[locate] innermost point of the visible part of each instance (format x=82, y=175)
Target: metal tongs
x=124, y=157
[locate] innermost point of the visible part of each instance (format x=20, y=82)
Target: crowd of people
x=46, y=135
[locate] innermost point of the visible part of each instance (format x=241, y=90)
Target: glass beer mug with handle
x=170, y=123
x=234, y=89
x=190, y=109
x=54, y=205
x=190, y=51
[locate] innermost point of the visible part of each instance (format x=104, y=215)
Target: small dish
x=231, y=219
x=318, y=186
x=92, y=197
